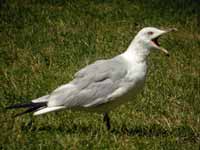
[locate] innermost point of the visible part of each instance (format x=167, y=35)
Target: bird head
x=149, y=36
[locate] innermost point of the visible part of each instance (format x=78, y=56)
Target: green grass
x=43, y=43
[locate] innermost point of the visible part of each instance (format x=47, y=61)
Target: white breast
x=136, y=78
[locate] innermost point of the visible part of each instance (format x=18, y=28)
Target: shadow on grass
x=62, y=128
x=183, y=133
x=143, y=130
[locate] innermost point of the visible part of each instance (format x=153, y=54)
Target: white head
x=148, y=38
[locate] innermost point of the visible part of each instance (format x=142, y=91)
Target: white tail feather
x=48, y=109
x=41, y=99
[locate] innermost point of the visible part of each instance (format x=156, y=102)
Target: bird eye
x=150, y=33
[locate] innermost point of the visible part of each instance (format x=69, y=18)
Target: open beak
x=156, y=43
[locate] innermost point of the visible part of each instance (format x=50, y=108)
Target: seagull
x=104, y=84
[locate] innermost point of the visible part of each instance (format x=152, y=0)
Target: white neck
x=136, y=52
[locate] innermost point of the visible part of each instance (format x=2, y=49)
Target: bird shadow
x=142, y=130
x=184, y=132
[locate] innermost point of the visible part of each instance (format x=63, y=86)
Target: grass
x=43, y=43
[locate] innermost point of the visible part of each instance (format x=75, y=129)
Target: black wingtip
x=31, y=107
x=27, y=111
x=20, y=106
x=26, y=105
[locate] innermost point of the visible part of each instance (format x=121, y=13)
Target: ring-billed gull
x=105, y=84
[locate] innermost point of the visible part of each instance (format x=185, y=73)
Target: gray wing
x=92, y=85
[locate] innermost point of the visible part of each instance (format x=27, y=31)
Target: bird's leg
x=107, y=120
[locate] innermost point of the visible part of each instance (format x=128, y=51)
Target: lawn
x=43, y=43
